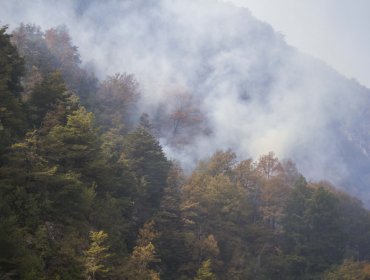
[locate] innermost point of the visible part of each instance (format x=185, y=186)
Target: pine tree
x=325, y=237
x=74, y=145
x=145, y=158
x=46, y=95
x=171, y=246
x=12, y=117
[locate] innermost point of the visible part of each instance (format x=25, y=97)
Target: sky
x=336, y=31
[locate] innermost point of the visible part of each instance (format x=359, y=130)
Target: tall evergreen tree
x=169, y=223
x=147, y=161
x=325, y=236
x=12, y=117
x=75, y=145
x=46, y=95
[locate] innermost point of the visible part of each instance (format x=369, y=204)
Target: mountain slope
x=214, y=77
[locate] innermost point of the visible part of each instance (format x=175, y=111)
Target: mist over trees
x=208, y=69
x=86, y=191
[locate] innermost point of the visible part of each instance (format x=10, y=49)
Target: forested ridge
x=86, y=191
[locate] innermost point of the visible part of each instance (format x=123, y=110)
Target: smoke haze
x=257, y=94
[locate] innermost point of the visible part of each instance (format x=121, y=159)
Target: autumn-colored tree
x=30, y=42
x=50, y=51
x=60, y=45
x=96, y=255
x=117, y=98
x=268, y=165
x=205, y=272
x=349, y=270
x=179, y=118
x=221, y=162
x=65, y=56
x=274, y=189
x=185, y=113
x=247, y=179
x=212, y=210
x=143, y=255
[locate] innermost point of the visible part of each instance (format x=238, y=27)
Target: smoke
x=257, y=94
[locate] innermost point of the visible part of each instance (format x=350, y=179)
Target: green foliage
x=169, y=223
x=146, y=160
x=143, y=255
x=46, y=95
x=12, y=65
x=205, y=272
x=12, y=117
x=75, y=144
x=326, y=241
x=61, y=176
x=96, y=255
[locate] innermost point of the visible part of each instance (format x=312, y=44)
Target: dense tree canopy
x=12, y=117
x=86, y=192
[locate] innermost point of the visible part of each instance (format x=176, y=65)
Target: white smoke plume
x=257, y=93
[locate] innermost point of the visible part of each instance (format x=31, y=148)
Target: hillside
x=244, y=88
x=139, y=146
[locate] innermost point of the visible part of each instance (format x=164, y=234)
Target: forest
x=87, y=192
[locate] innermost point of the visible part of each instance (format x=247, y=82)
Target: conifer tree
x=169, y=224
x=46, y=95
x=74, y=145
x=12, y=117
x=146, y=160
x=325, y=237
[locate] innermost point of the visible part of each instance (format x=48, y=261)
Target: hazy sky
x=336, y=31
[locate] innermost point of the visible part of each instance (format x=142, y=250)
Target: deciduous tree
x=96, y=255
